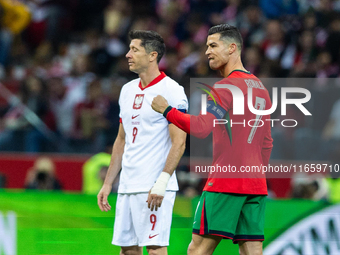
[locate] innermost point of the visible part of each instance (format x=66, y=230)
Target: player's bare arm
x=156, y=194
x=114, y=168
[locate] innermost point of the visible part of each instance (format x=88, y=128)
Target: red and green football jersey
x=243, y=143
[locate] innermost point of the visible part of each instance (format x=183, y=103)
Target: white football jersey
x=147, y=139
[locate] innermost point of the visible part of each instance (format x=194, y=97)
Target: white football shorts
x=136, y=224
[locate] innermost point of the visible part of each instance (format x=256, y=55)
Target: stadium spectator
x=170, y=64
x=303, y=55
x=251, y=26
x=100, y=58
x=253, y=60
x=331, y=133
x=94, y=172
x=90, y=118
x=63, y=101
x=314, y=187
x=333, y=39
x=14, y=18
x=2, y=181
x=112, y=114
x=190, y=185
x=274, y=9
x=50, y=22
x=42, y=176
x=117, y=18
x=35, y=97
x=274, y=44
x=80, y=77
x=325, y=68
x=188, y=56
x=20, y=126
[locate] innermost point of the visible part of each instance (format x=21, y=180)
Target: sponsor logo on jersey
x=137, y=104
x=150, y=236
x=133, y=117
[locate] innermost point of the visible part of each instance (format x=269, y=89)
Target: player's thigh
x=251, y=223
x=153, y=227
x=124, y=233
x=157, y=250
x=250, y=247
x=203, y=244
x=218, y=214
x=131, y=250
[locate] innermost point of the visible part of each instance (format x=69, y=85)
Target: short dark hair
x=151, y=41
x=228, y=32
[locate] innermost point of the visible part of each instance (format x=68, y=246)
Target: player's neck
x=148, y=76
x=233, y=64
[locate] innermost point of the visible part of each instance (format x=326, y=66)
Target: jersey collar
x=238, y=70
x=155, y=81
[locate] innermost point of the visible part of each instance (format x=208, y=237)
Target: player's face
x=217, y=52
x=138, y=58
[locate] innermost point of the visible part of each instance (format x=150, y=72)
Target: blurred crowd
x=62, y=64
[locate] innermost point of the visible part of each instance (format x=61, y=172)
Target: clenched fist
x=159, y=104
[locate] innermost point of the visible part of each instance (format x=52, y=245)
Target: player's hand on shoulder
x=154, y=201
x=102, y=198
x=159, y=104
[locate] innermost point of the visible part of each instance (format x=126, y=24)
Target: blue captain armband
x=217, y=110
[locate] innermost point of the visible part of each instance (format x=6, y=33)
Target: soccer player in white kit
x=147, y=149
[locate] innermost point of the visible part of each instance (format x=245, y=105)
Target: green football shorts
x=231, y=216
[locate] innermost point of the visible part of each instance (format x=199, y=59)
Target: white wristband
x=160, y=185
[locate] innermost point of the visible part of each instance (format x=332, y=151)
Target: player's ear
x=232, y=48
x=153, y=56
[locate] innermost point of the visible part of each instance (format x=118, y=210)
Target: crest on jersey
x=137, y=104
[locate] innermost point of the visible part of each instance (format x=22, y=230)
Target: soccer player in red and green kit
x=230, y=208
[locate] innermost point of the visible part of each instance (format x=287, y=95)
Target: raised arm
x=114, y=168
x=199, y=126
